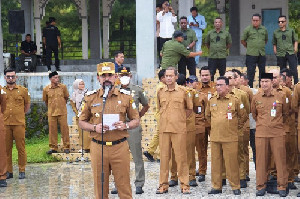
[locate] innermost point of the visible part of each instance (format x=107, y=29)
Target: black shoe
x=67, y=151
x=149, y=156
x=22, y=175
x=193, y=183
x=243, y=183
x=51, y=151
x=298, y=194
x=173, y=183
x=201, y=178
x=139, y=190
x=297, y=179
x=9, y=175
x=86, y=150
x=3, y=183
x=215, y=191
x=223, y=182
x=292, y=185
x=197, y=173
x=114, y=191
x=283, y=193
x=58, y=69
x=261, y=192
x=236, y=192
x=247, y=178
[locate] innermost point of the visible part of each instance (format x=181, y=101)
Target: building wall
x=247, y=11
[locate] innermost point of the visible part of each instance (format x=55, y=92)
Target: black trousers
x=251, y=62
x=292, y=59
x=49, y=50
x=252, y=144
x=189, y=63
x=214, y=64
x=33, y=64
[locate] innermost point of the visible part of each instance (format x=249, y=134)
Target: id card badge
x=229, y=116
x=199, y=109
x=273, y=112
x=209, y=95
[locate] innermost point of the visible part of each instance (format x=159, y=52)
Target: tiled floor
x=75, y=180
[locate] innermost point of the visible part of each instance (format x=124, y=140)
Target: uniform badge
x=189, y=94
x=95, y=105
x=2, y=92
x=97, y=114
x=241, y=106
x=133, y=106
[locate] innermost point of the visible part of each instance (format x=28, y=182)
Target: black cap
x=267, y=76
x=51, y=19
x=193, y=78
x=177, y=33
x=52, y=74
x=124, y=70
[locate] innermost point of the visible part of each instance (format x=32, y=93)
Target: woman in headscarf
x=76, y=103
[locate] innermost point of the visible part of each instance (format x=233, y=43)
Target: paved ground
x=74, y=180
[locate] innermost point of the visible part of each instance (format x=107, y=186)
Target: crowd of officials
x=189, y=110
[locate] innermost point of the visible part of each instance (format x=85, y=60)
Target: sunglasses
x=10, y=77
x=281, y=21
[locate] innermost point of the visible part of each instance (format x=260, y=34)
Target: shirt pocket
x=163, y=104
x=177, y=102
x=96, y=114
x=19, y=99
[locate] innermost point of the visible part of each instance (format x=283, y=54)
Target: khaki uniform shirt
x=172, y=52
x=288, y=98
x=191, y=120
x=256, y=40
x=56, y=99
x=285, y=45
x=218, y=111
x=200, y=112
x=2, y=101
x=16, y=100
x=189, y=36
x=208, y=89
x=117, y=103
x=218, y=47
x=173, y=105
x=261, y=107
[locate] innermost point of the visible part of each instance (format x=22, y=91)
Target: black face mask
x=283, y=37
x=218, y=38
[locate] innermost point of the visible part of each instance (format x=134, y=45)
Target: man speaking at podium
x=116, y=156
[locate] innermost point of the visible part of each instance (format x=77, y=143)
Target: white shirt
x=166, y=24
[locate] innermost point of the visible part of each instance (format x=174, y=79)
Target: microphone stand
x=102, y=132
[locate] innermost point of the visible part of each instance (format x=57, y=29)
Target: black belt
x=109, y=143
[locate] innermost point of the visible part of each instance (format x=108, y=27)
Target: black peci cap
x=267, y=76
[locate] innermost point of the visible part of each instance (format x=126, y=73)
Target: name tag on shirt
x=273, y=112
x=209, y=96
x=199, y=109
x=229, y=116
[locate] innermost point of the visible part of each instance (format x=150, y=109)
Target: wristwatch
x=127, y=126
x=95, y=127
x=188, y=47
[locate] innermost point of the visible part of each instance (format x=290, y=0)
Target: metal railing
x=73, y=49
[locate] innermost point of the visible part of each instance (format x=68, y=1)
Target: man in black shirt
x=51, y=40
x=28, y=49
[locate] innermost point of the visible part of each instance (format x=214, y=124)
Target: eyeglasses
x=281, y=21
x=10, y=77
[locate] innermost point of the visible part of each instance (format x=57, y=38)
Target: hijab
x=78, y=94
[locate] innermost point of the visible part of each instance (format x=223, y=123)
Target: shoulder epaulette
x=91, y=92
x=126, y=92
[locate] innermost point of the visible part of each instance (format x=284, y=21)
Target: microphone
x=106, y=91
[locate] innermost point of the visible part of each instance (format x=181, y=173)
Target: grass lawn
x=36, y=149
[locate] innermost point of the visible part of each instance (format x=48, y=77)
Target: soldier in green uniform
x=217, y=41
x=173, y=50
x=189, y=42
x=254, y=39
x=285, y=44
x=135, y=135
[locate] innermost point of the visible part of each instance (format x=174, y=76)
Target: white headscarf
x=78, y=95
